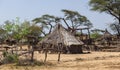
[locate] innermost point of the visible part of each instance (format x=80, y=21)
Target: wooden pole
x=32, y=53
x=59, y=50
x=45, y=55
x=46, y=50
x=59, y=55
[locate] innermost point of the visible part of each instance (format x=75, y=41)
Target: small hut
x=106, y=38
x=107, y=34
x=61, y=36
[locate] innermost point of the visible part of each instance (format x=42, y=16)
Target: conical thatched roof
x=61, y=35
x=107, y=34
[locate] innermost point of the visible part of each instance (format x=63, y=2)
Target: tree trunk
x=50, y=28
x=66, y=23
x=88, y=33
x=45, y=54
x=32, y=54
x=119, y=18
x=117, y=29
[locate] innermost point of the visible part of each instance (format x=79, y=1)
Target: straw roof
x=61, y=35
x=107, y=34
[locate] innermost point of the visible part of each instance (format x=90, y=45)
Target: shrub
x=4, y=53
x=10, y=58
x=95, y=35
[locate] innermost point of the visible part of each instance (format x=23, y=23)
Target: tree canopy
x=46, y=22
x=72, y=19
x=76, y=19
x=19, y=30
x=111, y=7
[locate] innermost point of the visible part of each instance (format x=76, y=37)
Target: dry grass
x=91, y=61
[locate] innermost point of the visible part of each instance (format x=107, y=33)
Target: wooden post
x=45, y=55
x=59, y=55
x=46, y=50
x=59, y=50
x=32, y=53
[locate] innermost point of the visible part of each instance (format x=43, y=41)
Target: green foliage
x=4, y=53
x=18, y=30
x=111, y=7
x=95, y=35
x=22, y=31
x=10, y=58
x=46, y=22
x=76, y=18
x=35, y=30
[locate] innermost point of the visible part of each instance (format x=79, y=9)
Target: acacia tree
x=111, y=7
x=75, y=20
x=46, y=22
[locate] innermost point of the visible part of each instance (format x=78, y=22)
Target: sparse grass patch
x=97, y=58
x=79, y=59
x=26, y=62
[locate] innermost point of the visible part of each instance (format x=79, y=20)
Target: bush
x=4, y=53
x=95, y=35
x=10, y=58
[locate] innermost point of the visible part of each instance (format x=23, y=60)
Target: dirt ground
x=90, y=61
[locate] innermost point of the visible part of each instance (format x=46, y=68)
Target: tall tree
x=75, y=20
x=111, y=7
x=46, y=21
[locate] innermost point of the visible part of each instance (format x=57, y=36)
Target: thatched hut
x=61, y=36
x=107, y=34
x=105, y=39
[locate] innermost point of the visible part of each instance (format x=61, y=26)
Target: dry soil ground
x=91, y=61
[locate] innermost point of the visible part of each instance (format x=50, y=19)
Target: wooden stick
x=45, y=54
x=59, y=55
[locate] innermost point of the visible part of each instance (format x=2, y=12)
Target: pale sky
x=30, y=9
